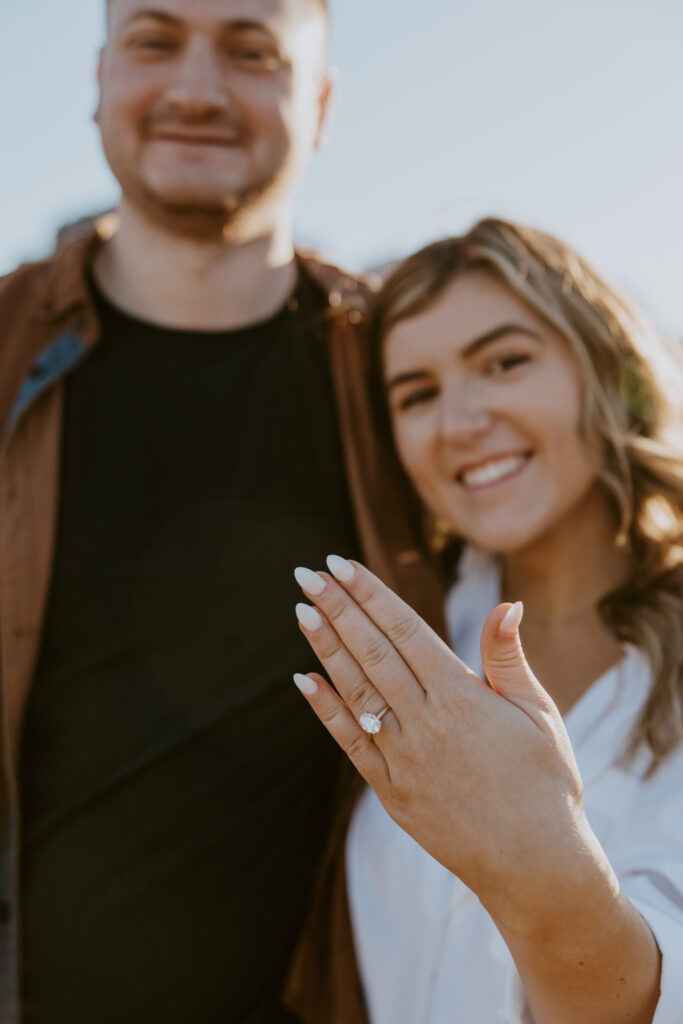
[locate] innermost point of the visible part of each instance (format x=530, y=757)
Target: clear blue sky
x=565, y=115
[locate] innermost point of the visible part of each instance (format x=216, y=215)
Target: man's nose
x=198, y=87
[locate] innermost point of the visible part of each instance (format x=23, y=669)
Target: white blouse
x=428, y=951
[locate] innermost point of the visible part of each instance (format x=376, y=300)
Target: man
x=184, y=422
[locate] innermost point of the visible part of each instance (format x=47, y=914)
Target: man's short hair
x=325, y=4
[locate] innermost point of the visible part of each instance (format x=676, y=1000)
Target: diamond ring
x=373, y=723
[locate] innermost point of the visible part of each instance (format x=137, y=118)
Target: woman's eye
x=505, y=363
x=420, y=397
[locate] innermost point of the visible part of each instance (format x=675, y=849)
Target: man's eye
x=505, y=363
x=255, y=57
x=152, y=44
x=415, y=398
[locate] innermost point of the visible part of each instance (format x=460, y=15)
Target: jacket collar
x=66, y=287
x=348, y=296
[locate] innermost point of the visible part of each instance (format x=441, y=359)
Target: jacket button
x=5, y=912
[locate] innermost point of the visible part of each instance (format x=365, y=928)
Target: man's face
x=208, y=106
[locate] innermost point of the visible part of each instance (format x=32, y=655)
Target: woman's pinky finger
x=343, y=727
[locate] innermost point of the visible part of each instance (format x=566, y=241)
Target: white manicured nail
x=308, y=617
x=306, y=684
x=309, y=581
x=340, y=568
x=512, y=619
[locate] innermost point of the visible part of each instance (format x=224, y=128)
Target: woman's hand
x=484, y=778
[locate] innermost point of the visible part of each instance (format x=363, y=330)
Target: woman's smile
x=493, y=471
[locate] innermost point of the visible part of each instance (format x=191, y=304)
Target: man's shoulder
x=57, y=278
x=27, y=277
x=23, y=305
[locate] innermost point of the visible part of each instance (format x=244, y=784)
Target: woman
x=537, y=421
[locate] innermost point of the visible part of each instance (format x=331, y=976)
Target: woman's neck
x=568, y=570
x=561, y=579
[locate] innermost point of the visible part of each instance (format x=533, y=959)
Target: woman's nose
x=463, y=417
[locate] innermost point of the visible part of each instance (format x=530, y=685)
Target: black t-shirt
x=175, y=786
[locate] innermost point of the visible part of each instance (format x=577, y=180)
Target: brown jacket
x=47, y=326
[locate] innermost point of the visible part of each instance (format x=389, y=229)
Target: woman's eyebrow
x=406, y=378
x=495, y=334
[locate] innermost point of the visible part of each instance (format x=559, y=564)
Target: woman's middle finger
x=365, y=644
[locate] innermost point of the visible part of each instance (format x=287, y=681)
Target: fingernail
x=513, y=617
x=308, y=617
x=340, y=568
x=309, y=581
x=306, y=684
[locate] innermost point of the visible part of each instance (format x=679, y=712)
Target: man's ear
x=326, y=102
x=100, y=64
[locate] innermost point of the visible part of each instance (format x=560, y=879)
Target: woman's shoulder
x=600, y=726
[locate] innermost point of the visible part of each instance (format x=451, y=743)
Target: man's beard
x=206, y=220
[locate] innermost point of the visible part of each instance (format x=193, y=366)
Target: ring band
x=373, y=723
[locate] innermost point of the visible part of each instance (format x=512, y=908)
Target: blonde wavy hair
x=631, y=424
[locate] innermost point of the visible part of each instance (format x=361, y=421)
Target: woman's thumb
x=503, y=658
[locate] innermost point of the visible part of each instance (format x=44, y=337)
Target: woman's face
x=485, y=403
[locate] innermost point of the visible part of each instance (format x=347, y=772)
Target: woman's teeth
x=492, y=471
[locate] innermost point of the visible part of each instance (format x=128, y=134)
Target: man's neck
x=184, y=283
